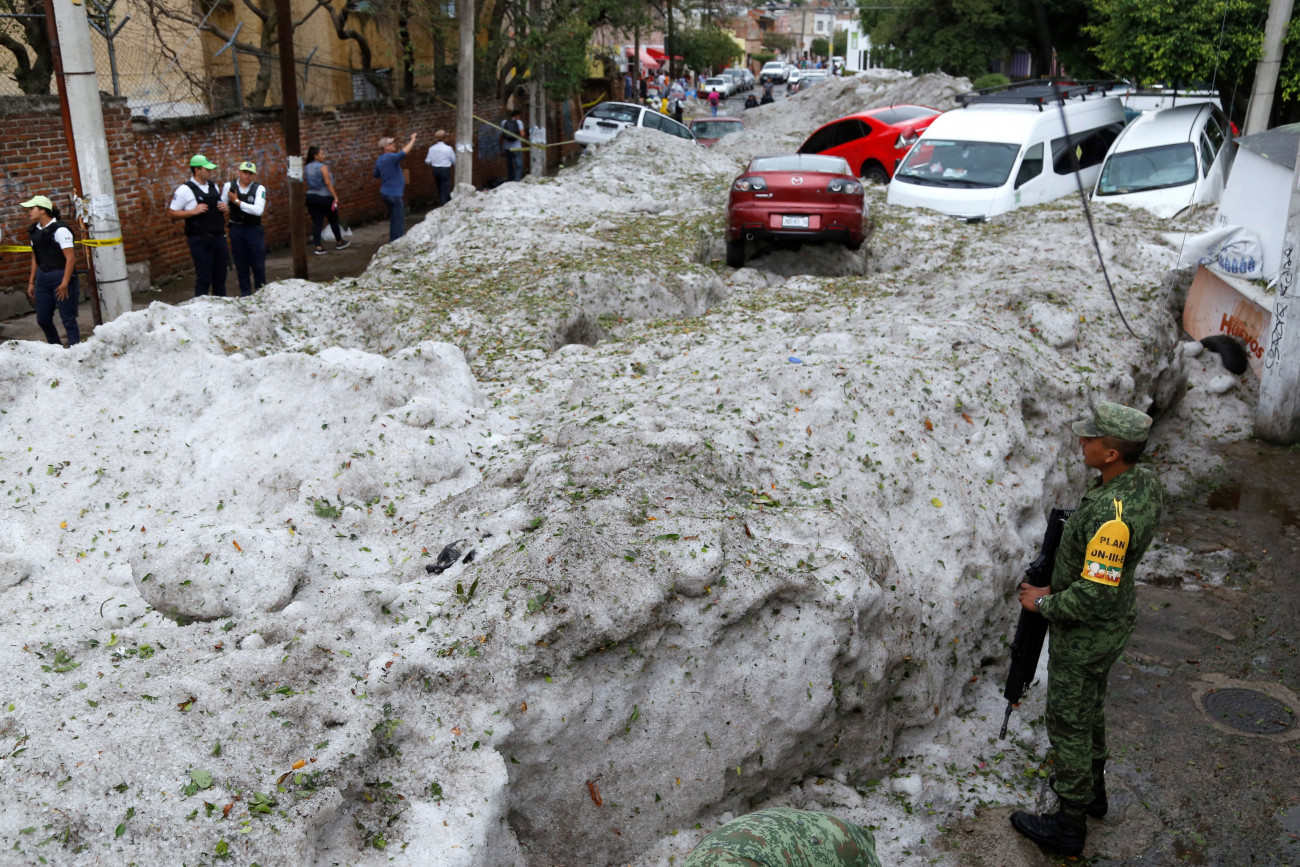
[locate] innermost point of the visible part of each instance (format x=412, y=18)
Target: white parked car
x=774, y=70
x=608, y=119
x=1008, y=149
x=1168, y=160
x=720, y=84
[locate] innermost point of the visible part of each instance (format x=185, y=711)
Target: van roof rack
x=1039, y=92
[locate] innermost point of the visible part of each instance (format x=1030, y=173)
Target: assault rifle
x=1031, y=629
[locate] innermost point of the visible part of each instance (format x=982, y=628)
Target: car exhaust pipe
x=749, y=236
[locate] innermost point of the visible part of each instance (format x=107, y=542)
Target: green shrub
x=993, y=79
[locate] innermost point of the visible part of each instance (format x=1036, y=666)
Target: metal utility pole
x=1261, y=96
x=1278, y=417
x=102, y=21
x=465, y=96
x=92, y=174
x=292, y=138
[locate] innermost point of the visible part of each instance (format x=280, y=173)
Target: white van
x=1008, y=148
x=1168, y=160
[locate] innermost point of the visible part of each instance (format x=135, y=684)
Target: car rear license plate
x=794, y=221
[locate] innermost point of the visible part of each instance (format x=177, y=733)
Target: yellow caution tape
x=88, y=242
x=525, y=141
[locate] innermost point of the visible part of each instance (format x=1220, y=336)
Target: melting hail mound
x=731, y=529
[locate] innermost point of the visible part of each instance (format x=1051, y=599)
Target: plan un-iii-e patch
x=1104, y=562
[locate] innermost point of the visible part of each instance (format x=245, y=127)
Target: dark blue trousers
x=514, y=164
x=211, y=259
x=47, y=302
x=396, y=216
x=442, y=174
x=248, y=249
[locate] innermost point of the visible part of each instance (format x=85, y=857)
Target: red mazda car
x=796, y=197
x=873, y=141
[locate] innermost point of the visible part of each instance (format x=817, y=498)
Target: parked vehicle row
x=998, y=151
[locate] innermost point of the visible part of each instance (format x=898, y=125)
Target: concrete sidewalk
x=178, y=288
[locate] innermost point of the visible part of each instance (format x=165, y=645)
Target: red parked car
x=709, y=129
x=873, y=141
x=796, y=197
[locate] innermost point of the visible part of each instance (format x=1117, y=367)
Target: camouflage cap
x=787, y=837
x=1115, y=420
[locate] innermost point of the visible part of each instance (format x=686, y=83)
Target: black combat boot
x=1065, y=830
x=1099, y=806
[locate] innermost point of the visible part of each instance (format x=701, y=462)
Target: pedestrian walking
x=246, y=199
x=441, y=158
x=198, y=202
x=512, y=142
x=53, y=283
x=322, y=200
x=713, y=102
x=1091, y=609
x=392, y=183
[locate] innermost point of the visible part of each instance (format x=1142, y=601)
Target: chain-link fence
x=175, y=60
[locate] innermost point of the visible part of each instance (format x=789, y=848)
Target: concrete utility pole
x=92, y=172
x=537, y=103
x=1261, y=96
x=292, y=138
x=1278, y=417
x=465, y=96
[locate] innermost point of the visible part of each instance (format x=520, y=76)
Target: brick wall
x=151, y=159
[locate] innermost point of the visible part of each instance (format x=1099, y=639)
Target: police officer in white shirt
x=53, y=282
x=199, y=203
x=247, y=202
x=441, y=158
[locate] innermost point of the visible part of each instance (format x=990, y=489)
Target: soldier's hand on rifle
x=1029, y=596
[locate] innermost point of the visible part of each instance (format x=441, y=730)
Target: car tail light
x=839, y=185
x=906, y=139
x=746, y=185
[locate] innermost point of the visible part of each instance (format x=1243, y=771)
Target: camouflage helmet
x=786, y=837
x=1115, y=420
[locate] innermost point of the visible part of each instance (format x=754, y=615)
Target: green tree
x=778, y=43
x=705, y=47
x=958, y=36
x=33, y=62
x=840, y=43
x=1193, y=42
x=820, y=48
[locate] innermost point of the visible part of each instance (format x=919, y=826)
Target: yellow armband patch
x=1104, y=562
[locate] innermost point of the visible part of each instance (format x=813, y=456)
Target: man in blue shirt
x=392, y=184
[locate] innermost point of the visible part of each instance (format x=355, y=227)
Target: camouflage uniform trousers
x=785, y=837
x=1076, y=720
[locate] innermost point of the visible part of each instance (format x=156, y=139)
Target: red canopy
x=647, y=60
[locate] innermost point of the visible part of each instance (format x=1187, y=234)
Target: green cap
x=246, y=166
x=1115, y=420
x=39, y=202
x=199, y=161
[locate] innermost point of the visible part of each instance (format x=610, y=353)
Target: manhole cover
x=1249, y=711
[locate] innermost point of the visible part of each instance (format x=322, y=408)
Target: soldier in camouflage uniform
x=784, y=837
x=1091, y=609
